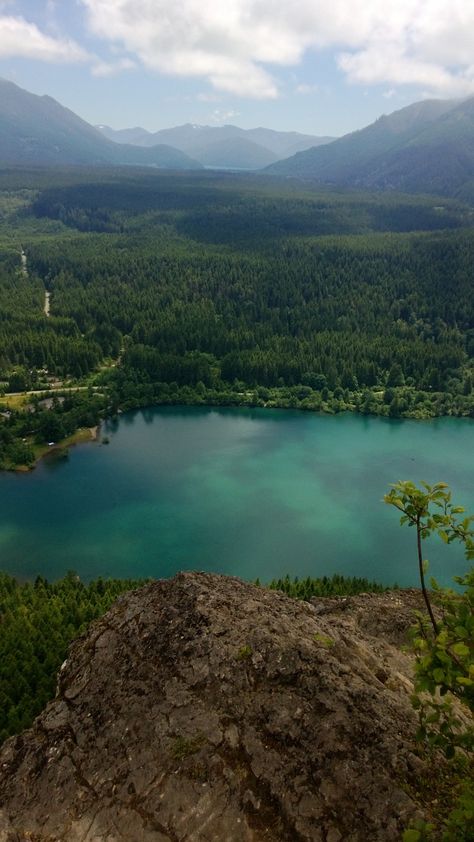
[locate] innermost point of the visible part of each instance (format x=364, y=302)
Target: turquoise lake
x=253, y=493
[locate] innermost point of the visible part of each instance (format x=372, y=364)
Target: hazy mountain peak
x=427, y=146
x=226, y=146
x=39, y=130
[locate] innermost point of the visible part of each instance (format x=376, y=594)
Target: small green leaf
x=461, y=649
x=411, y=836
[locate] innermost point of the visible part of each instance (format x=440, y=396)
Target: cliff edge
x=206, y=709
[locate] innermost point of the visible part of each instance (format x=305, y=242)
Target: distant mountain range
x=38, y=130
x=426, y=147
x=222, y=146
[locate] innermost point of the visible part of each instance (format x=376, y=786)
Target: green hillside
x=427, y=147
x=38, y=130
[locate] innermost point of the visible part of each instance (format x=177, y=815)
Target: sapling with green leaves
x=444, y=645
x=429, y=509
x=445, y=660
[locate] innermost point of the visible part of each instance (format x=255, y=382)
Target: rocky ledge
x=205, y=709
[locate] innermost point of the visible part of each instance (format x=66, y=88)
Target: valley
x=224, y=348
x=149, y=289
x=236, y=421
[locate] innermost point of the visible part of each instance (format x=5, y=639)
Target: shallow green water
x=245, y=492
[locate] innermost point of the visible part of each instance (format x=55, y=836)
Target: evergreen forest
x=121, y=289
x=38, y=622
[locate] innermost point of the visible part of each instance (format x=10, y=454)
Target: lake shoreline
x=84, y=435
x=406, y=403
x=238, y=491
x=89, y=435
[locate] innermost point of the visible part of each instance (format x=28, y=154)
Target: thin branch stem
x=422, y=577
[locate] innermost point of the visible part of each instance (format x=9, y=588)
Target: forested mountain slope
x=426, y=147
x=38, y=130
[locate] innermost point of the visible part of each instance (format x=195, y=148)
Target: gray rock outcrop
x=205, y=709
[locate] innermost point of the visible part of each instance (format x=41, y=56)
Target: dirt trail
x=24, y=265
x=47, y=295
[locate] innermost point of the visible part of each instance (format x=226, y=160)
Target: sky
x=324, y=67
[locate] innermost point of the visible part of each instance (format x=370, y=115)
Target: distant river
x=245, y=492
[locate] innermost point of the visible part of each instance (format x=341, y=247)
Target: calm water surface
x=245, y=492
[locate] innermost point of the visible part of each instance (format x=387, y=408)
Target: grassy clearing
x=14, y=401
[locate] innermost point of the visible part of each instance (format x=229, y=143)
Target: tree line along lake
x=252, y=493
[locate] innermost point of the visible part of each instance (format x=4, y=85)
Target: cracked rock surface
x=205, y=709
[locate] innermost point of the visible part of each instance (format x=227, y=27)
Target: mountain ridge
x=246, y=148
x=425, y=147
x=39, y=130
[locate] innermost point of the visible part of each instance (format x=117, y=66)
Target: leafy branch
x=415, y=504
x=444, y=647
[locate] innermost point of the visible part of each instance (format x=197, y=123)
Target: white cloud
x=19, y=38
x=220, y=117
x=231, y=44
x=390, y=64
x=112, y=68
x=187, y=38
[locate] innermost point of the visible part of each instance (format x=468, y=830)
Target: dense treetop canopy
x=229, y=289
